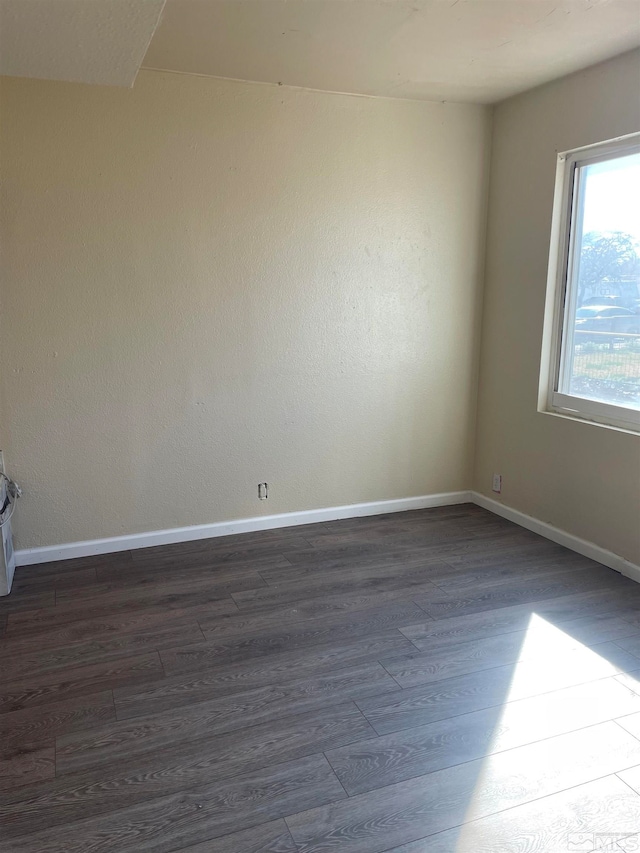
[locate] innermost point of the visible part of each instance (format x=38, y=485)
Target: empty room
x=319, y=426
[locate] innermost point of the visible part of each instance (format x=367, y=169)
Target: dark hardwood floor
x=439, y=681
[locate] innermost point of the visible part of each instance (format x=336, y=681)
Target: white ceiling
x=86, y=41
x=462, y=50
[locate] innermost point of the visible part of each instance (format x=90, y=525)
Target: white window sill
x=592, y=420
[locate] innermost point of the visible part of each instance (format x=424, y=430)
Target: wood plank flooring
x=437, y=681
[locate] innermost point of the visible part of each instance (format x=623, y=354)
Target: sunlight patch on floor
x=550, y=660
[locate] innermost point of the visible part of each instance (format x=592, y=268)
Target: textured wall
x=210, y=284
x=578, y=476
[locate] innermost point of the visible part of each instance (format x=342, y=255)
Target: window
x=592, y=345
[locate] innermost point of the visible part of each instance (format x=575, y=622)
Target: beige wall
x=577, y=476
x=209, y=284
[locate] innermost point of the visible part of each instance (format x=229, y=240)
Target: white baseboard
x=574, y=543
x=89, y=548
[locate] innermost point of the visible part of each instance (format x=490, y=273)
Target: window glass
x=600, y=353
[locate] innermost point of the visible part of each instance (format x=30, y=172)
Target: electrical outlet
x=497, y=483
x=263, y=491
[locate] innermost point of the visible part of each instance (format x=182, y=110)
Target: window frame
x=561, y=297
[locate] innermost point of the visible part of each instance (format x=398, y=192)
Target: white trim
x=555, y=534
x=89, y=548
x=558, y=331
x=615, y=147
x=604, y=413
x=50, y=553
